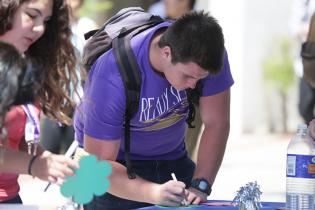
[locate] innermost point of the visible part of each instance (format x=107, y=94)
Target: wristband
x=29, y=169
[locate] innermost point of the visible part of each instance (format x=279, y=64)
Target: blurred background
x=263, y=41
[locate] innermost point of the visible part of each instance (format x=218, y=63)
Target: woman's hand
x=51, y=167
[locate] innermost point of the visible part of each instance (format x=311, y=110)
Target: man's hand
x=311, y=129
x=195, y=197
x=171, y=193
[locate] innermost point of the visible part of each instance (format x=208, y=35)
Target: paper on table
x=218, y=203
x=189, y=206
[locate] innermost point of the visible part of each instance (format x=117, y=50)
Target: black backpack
x=116, y=33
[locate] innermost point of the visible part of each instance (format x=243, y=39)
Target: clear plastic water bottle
x=300, y=190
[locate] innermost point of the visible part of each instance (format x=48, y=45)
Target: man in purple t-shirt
x=172, y=58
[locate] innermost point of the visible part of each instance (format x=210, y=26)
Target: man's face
x=184, y=75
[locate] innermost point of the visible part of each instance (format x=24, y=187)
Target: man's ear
x=166, y=53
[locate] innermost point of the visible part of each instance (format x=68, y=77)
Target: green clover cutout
x=89, y=180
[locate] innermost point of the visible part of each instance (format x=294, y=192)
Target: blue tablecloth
x=265, y=206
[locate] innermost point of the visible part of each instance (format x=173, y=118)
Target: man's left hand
x=194, y=196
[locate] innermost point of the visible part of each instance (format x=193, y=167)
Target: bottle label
x=301, y=166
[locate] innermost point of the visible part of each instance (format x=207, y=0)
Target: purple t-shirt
x=158, y=128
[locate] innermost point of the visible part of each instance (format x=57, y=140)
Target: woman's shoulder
x=15, y=121
x=16, y=113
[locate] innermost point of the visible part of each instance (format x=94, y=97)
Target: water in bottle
x=300, y=185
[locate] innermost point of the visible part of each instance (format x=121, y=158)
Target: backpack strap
x=32, y=126
x=193, y=96
x=130, y=73
x=191, y=108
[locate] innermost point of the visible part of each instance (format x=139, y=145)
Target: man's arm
x=215, y=114
x=170, y=193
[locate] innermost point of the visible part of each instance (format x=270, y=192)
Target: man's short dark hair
x=195, y=37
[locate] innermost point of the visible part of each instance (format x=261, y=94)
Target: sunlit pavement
x=248, y=158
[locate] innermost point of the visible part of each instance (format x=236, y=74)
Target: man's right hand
x=171, y=193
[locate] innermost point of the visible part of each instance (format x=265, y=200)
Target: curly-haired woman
x=40, y=30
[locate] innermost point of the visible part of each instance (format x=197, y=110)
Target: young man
x=172, y=58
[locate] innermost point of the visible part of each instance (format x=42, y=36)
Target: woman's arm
x=46, y=166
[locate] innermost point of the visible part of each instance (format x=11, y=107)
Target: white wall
x=249, y=27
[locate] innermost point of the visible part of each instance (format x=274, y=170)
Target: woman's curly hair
x=54, y=58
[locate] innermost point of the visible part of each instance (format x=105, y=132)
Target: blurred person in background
x=176, y=8
x=79, y=25
x=57, y=137
x=302, y=11
x=157, y=8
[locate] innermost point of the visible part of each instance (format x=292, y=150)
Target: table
x=26, y=207
x=17, y=207
x=265, y=206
